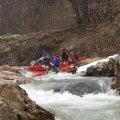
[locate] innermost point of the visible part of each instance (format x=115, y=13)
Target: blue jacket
x=56, y=61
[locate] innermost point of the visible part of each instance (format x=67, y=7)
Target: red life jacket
x=74, y=56
x=44, y=54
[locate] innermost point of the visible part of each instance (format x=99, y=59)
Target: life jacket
x=64, y=54
x=46, y=55
x=56, y=61
x=74, y=56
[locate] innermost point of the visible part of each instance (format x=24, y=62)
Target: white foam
x=27, y=74
x=66, y=104
x=49, y=77
x=82, y=70
x=59, y=76
x=89, y=101
x=57, y=118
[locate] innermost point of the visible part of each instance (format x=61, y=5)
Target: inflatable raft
x=64, y=67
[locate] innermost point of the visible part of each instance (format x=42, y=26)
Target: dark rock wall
x=19, y=16
x=25, y=16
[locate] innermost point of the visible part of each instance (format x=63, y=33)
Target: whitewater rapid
x=102, y=105
x=73, y=97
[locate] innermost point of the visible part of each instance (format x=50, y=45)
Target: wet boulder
x=15, y=104
x=102, y=69
x=6, y=111
x=10, y=74
x=116, y=80
x=83, y=88
x=8, y=68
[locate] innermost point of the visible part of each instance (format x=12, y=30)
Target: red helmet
x=63, y=49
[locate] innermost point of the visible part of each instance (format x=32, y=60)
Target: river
x=71, y=97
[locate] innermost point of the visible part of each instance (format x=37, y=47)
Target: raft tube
x=40, y=73
x=35, y=68
x=68, y=69
x=63, y=69
x=82, y=59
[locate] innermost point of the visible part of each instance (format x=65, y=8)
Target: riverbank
x=14, y=101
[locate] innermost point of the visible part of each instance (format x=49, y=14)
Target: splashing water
x=72, y=97
x=68, y=106
x=49, y=77
x=71, y=107
x=82, y=70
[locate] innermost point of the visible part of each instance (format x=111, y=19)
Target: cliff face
x=19, y=16
x=25, y=16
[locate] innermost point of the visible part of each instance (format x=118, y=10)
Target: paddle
x=36, y=62
x=45, y=68
x=57, y=69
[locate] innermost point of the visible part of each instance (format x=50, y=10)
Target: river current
x=72, y=97
x=78, y=98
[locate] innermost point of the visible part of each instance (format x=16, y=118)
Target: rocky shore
x=14, y=101
x=110, y=68
x=102, y=69
x=116, y=81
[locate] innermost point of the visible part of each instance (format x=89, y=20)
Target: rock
x=6, y=112
x=14, y=102
x=102, y=69
x=17, y=78
x=15, y=105
x=116, y=81
x=10, y=74
x=8, y=68
x=82, y=88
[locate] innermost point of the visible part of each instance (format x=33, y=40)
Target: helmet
x=63, y=48
x=44, y=51
x=73, y=51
